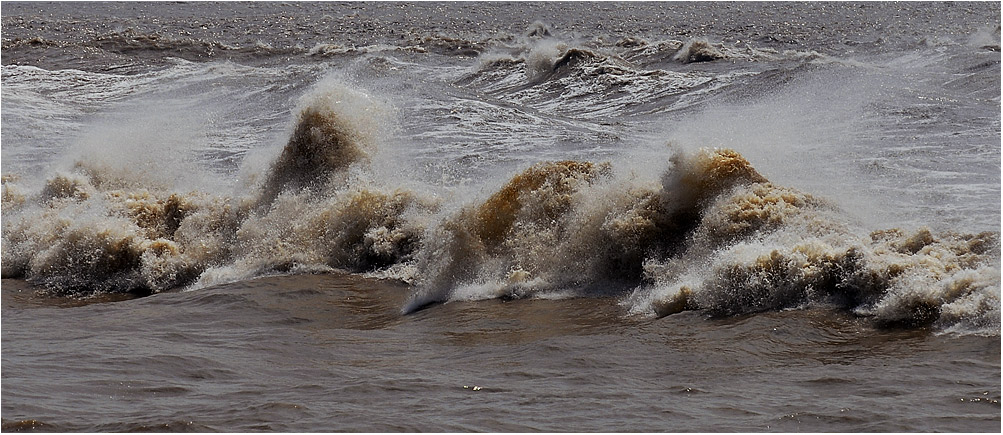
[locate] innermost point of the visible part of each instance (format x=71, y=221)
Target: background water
x=886, y=115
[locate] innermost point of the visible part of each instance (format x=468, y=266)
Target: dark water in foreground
x=332, y=353
x=501, y=216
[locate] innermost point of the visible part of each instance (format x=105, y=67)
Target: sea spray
x=321, y=206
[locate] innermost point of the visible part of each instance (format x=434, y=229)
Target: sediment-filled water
x=501, y=216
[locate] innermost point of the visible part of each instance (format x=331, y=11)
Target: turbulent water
x=501, y=217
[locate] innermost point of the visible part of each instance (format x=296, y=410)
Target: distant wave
x=140, y=44
x=539, y=47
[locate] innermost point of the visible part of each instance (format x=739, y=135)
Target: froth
x=355, y=229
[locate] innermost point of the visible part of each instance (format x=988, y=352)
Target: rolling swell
x=711, y=234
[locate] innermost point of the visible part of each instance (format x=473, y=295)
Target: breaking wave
x=710, y=233
x=100, y=228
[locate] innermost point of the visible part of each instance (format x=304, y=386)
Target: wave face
x=515, y=162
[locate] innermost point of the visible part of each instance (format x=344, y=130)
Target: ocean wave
x=716, y=237
x=710, y=233
x=698, y=50
x=130, y=40
x=37, y=41
x=790, y=255
x=581, y=82
x=137, y=43
x=453, y=45
x=129, y=44
x=632, y=76
x=100, y=227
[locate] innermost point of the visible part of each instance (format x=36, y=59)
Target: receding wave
x=710, y=234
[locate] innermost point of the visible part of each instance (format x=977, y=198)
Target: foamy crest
x=12, y=196
x=511, y=239
x=542, y=58
x=355, y=229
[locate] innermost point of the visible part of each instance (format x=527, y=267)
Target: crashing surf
x=710, y=234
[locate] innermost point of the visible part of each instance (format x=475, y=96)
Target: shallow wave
x=710, y=233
